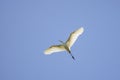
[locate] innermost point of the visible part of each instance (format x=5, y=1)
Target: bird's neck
x=66, y=47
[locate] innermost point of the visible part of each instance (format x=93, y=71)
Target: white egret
x=67, y=45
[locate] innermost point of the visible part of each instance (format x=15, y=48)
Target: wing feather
x=73, y=37
x=54, y=48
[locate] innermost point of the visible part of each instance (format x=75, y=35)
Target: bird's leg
x=72, y=56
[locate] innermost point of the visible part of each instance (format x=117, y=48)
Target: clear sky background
x=28, y=27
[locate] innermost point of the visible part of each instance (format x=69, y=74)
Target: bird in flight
x=65, y=46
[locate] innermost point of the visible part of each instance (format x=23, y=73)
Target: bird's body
x=67, y=45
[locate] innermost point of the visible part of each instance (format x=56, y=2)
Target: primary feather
x=54, y=48
x=73, y=37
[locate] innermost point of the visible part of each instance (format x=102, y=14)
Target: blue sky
x=28, y=27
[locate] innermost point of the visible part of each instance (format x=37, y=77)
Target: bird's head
x=61, y=41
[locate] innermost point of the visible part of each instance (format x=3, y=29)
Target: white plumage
x=67, y=45
x=54, y=48
x=73, y=37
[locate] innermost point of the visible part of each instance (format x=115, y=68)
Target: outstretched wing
x=73, y=37
x=54, y=48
